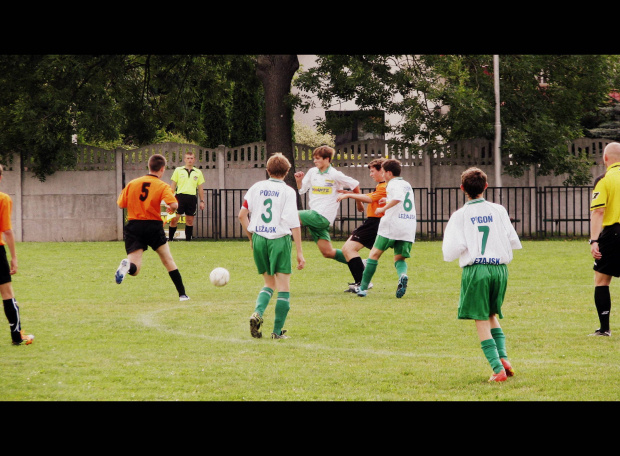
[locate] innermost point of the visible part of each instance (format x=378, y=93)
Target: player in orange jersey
x=11, y=310
x=142, y=197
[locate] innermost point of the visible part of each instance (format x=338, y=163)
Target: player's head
x=190, y=156
x=612, y=153
x=278, y=165
x=156, y=163
x=324, y=152
x=473, y=182
x=376, y=163
x=393, y=166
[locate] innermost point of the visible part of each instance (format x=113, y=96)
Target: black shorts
x=5, y=268
x=609, y=246
x=142, y=234
x=366, y=233
x=187, y=204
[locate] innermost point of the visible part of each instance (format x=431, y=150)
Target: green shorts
x=483, y=287
x=402, y=248
x=316, y=223
x=272, y=255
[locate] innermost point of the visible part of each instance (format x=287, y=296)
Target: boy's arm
x=10, y=242
x=296, y=232
x=381, y=210
x=245, y=221
x=453, y=241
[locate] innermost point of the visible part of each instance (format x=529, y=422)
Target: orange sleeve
x=380, y=192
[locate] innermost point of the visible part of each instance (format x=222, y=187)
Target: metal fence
x=535, y=212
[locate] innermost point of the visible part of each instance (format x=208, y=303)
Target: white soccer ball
x=219, y=277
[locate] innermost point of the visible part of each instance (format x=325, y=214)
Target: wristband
x=592, y=241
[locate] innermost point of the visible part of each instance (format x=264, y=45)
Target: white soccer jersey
x=324, y=190
x=399, y=222
x=480, y=233
x=273, y=208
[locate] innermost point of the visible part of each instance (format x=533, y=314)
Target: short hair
x=278, y=165
x=324, y=152
x=156, y=162
x=190, y=152
x=376, y=163
x=393, y=166
x=473, y=181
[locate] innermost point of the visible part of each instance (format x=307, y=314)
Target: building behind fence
x=80, y=204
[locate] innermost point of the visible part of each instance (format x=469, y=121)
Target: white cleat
x=122, y=271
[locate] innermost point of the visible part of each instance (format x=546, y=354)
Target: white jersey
x=324, y=190
x=480, y=233
x=273, y=208
x=399, y=222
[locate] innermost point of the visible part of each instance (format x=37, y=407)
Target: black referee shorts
x=142, y=234
x=609, y=246
x=187, y=204
x=366, y=233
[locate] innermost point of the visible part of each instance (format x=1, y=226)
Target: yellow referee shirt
x=606, y=194
x=187, y=180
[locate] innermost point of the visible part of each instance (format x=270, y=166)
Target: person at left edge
x=187, y=182
x=142, y=197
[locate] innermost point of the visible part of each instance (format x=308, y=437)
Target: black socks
x=602, y=300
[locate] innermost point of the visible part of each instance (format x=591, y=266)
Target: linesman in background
x=605, y=234
x=187, y=182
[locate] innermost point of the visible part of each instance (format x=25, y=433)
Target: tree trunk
x=276, y=74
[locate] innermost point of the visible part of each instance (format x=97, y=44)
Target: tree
x=449, y=97
x=276, y=74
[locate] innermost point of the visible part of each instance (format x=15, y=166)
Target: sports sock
x=283, y=305
x=602, y=300
x=356, y=266
x=263, y=300
x=490, y=351
x=369, y=271
x=401, y=267
x=500, y=341
x=132, y=269
x=189, y=232
x=171, y=231
x=11, y=310
x=340, y=256
x=178, y=281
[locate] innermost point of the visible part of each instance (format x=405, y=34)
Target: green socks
x=500, y=341
x=369, y=271
x=490, y=351
x=340, y=256
x=262, y=300
x=282, y=307
x=401, y=267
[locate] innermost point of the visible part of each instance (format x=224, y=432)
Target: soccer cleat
x=507, y=367
x=27, y=339
x=402, y=285
x=122, y=271
x=598, y=332
x=361, y=293
x=255, y=323
x=499, y=377
x=183, y=298
x=280, y=336
x=354, y=286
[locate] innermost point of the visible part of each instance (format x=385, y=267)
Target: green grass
x=98, y=341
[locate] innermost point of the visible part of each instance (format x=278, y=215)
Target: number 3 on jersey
x=268, y=203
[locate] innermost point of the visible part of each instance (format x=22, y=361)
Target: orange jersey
x=380, y=192
x=6, y=207
x=143, y=196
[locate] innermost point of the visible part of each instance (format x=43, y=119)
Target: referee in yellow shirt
x=605, y=234
x=187, y=181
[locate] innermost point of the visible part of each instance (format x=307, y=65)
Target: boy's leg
x=401, y=270
x=369, y=270
x=283, y=305
x=489, y=348
x=166, y=258
x=262, y=301
x=11, y=310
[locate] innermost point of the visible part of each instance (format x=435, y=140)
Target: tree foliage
x=449, y=97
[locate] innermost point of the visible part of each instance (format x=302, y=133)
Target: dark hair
x=473, y=181
x=324, y=152
x=376, y=163
x=393, y=166
x=156, y=162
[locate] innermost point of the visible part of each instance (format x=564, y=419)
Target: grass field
x=99, y=341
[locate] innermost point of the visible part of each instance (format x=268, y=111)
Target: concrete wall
x=80, y=205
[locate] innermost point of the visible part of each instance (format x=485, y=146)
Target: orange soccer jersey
x=6, y=207
x=380, y=192
x=143, y=196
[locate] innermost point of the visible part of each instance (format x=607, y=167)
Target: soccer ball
x=219, y=277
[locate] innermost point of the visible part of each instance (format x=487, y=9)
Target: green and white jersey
x=480, y=232
x=399, y=222
x=324, y=188
x=273, y=208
